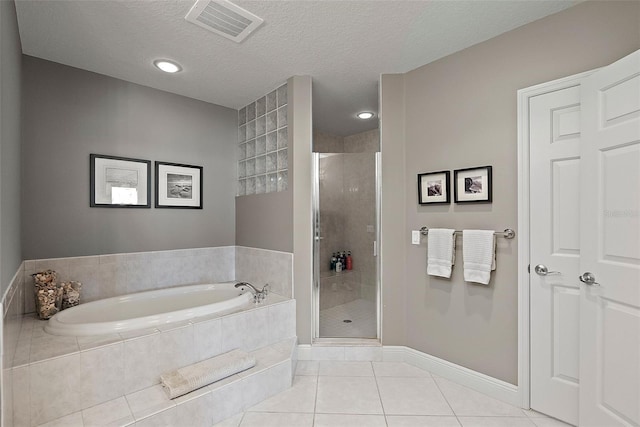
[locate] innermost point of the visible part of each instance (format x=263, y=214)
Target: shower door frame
x=315, y=194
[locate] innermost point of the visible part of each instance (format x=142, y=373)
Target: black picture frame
x=178, y=186
x=434, y=188
x=473, y=185
x=132, y=176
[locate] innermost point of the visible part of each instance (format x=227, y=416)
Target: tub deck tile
x=222, y=383
x=22, y=354
x=175, y=325
x=207, y=338
x=112, y=413
x=286, y=346
x=148, y=402
x=140, y=333
x=195, y=394
x=195, y=412
x=96, y=341
x=50, y=346
x=266, y=357
x=102, y=371
x=72, y=420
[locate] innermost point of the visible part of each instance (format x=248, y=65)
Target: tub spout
x=258, y=295
x=248, y=285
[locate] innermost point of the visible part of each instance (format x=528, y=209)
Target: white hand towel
x=478, y=252
x=192, y=377
x=441, y=251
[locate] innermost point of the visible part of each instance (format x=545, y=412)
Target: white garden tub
x=146, y=309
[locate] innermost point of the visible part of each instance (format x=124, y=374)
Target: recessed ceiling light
x=365, y=115
x=167, y=66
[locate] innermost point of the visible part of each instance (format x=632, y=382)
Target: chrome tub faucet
x=258, y=294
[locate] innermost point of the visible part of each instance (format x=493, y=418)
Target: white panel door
x=554, y=138
x=610, y=246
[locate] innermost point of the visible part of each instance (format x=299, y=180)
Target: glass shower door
x=346, y=263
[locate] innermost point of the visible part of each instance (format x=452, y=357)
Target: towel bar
x=507, y=233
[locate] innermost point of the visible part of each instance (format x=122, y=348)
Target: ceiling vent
x=224, y=18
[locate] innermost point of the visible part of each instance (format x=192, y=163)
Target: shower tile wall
x=262, y=150
x=365, y=142
x=347, y=215
x=360, y=218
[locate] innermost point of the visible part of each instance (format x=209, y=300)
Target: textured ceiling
x=343, y=45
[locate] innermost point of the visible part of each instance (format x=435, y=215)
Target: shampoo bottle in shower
x=333, y=261
x=349, y=261
x=338, y=266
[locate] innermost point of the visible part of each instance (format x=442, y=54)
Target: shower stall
x=346, y=262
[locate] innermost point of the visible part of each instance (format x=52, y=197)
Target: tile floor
x=362, y=314
x=384, y=394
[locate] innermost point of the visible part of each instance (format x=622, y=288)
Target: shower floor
x=362, y=314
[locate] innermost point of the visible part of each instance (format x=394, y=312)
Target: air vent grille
x=224, y=18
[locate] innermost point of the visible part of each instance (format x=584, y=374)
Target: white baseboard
x=477, y=381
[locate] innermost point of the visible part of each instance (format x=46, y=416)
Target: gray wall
x=460, y=112
x=300, y=177
x=264, y=220
x=393, y=238
x=10, y=85
x=68, y=114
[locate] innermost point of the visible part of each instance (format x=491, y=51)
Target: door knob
x=589, y=279
x=542, y=270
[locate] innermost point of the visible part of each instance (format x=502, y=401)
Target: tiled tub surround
x=262, y=144
x=55, y=377
x=12, y=315
x=105, y=276
x=111, y=275
x=259, y=266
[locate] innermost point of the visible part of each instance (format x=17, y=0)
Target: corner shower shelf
x=343, y=273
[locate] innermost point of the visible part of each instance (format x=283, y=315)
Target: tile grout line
x=445, y=399
x=315, y=401
x=375, y=378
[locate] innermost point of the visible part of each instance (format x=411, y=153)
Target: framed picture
x=433, y=188
x=178, y=186
x=119, y=182
x=473, y=185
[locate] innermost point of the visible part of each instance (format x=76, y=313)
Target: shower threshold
x=365, y=342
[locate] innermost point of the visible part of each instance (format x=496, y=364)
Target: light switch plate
x=415, y=237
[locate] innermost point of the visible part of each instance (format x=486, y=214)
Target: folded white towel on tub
x=478, y=252
x=192, y=377
x=441, y=251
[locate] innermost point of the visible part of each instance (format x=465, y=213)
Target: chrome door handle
x=542, y=270
x=589, y=279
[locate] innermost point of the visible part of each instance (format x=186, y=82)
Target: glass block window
x=263, y=155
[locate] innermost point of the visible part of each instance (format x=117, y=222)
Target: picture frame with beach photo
x=178, y=186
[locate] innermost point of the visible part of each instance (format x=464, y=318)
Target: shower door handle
x=375, y=248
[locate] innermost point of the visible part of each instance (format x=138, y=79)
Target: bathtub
x=147, y=309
